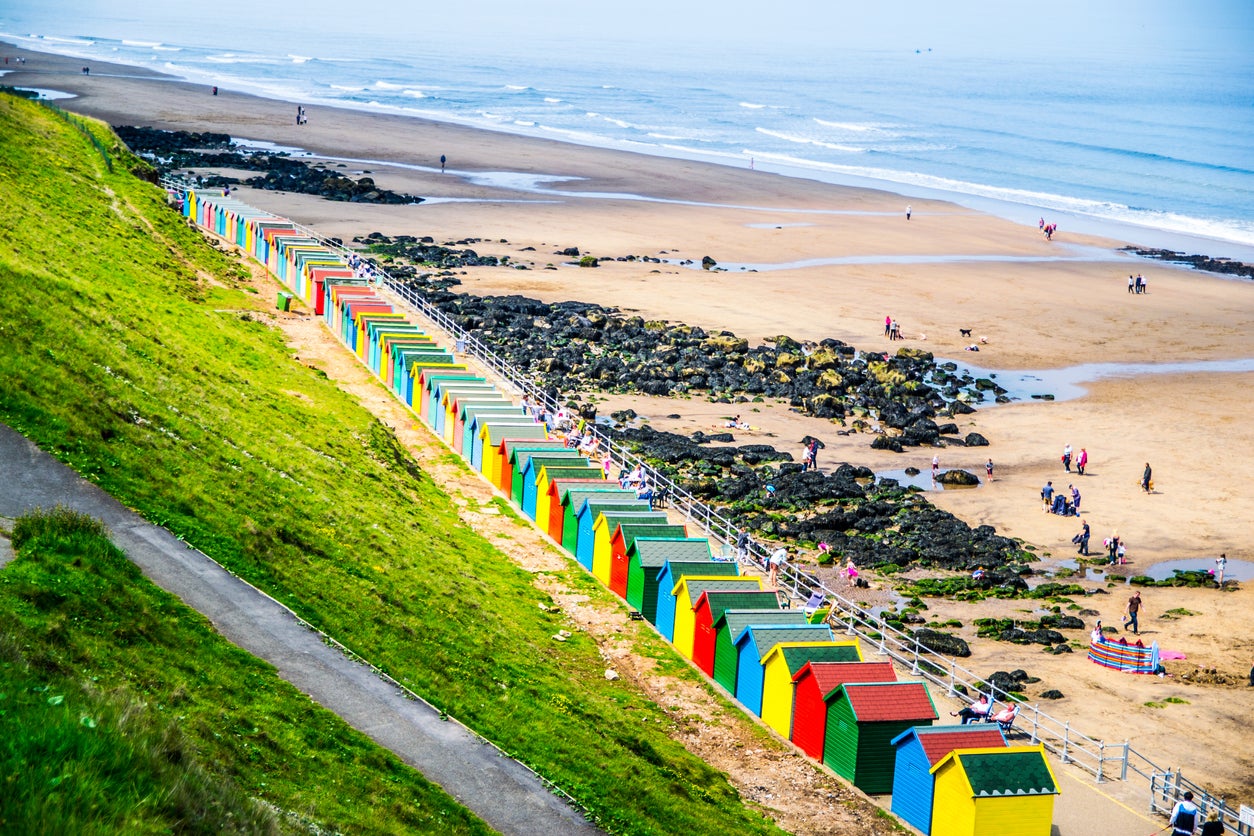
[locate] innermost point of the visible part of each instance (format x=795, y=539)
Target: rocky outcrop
x=171, y=151
x=942, y=643
x=1224, y=266
x=958, y=478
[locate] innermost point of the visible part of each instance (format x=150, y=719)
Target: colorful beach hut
x=621, y=543
x=709, y=607
x=501, y=466
x=495, y=435
x=994, y=792
x=590, y=512
x=788, y=658
x=645, y=560
x=862, y=720
x=542, y=469
x=492, y=432
x=573, y=498
x=752, y=646
x=603, y=531
x=526, y=465
x=731, y=624
x=689, y=590
x=673, y=571
x=547, y=478
x=921, y=748
x=557, y=492
x=470, y=409
x=814, y=682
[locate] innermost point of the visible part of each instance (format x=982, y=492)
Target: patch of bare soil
x=799, y=796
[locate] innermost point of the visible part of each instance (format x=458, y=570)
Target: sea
x=1155, y=148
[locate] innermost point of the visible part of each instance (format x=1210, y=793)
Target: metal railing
x=1104, y=761
x=1169, y=787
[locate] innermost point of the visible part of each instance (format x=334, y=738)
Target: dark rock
x=958, y=477
x=1062, y=622
x=1052, y=693
x=707, y=263
x=975, y=440
x=944, y=643
x=883, y=442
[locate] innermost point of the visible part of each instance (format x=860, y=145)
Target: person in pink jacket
x=1082, y=461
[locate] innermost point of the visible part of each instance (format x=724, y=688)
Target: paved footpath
x=502, y=792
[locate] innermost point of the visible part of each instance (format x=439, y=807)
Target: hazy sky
x=955, y=26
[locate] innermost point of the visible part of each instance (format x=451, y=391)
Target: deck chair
x=814, y=604
x=662, y=496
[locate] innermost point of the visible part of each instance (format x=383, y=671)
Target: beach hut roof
x=496, y=433
x=570, y=470
x=831, y=675
x=939, y=741
x=653, y=552
x=720, y=601
x=574, y=494
x=737, y=620
x=697, y=585
x=797, y=658
x=767, y=636
x=613, y=519
x=630, y=531
x=515, y=446
x=1013, y=771
x=879, y=701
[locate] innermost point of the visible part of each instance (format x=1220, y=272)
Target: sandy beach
x=833, y=261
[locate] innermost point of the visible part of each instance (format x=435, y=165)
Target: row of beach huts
x=783, y=665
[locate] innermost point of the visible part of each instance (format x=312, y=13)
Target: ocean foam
x=804, y=140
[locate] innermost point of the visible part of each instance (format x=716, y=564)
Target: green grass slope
x=126, y=713
x=128, y=350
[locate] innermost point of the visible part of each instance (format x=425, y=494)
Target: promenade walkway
x=501, y=791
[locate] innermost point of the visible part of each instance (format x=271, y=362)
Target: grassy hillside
x=126, y=713
x=131, y=350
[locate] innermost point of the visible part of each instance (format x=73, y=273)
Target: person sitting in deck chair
x=1005, y=718
x=977, y=711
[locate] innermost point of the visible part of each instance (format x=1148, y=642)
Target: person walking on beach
x=778, y=558
x=907, y=213
x=935, y=467
x=1134, y=610
x=1075, y=499
x=1221, y=563
x=1147, y=483
x=1183, y=817
x=443, y=160
x=851, y=573
x=1082, y=539
x=1066, y=458
x=1082, y=461
x=1047, y=495
x=888, y=325
x=988, y=469
x=1131, y=284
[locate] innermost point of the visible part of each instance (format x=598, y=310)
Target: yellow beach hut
x=994, y=792
x=786, y=659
